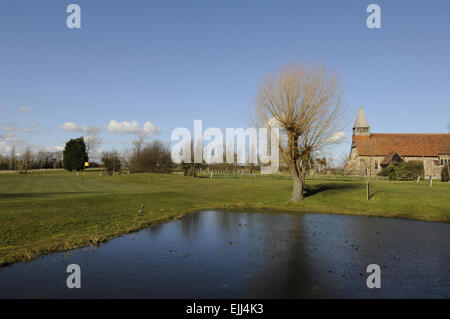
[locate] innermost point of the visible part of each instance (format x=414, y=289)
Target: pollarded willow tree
x=303, y=101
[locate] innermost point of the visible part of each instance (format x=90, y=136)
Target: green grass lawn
x=53, y=211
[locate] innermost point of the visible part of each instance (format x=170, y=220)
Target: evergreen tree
x=75, y=155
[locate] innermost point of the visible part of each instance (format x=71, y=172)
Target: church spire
x=361, y=126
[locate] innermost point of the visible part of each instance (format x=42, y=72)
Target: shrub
x=389, y=171
x=154, y=157
x=111, y=161
x=190, y=169
x=403, y=171
x=445, y=174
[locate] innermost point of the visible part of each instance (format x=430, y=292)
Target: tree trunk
x=296, y=171
x=297, y=190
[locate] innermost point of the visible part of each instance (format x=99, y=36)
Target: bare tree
x=304, y=102
x=341, y=161
x=322, y=162
x=92, y=139
x=153, y=157
x=58, y=158
x=137, y=144
x=24, y=165
x=111, y=160
x=12, y=158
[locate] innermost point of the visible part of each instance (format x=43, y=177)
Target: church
x=370, y=152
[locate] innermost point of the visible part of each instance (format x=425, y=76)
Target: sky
x=148, y=67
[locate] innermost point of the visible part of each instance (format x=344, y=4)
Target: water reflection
x=250, y=255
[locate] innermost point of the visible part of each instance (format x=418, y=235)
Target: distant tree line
x=152, y=157
x=28, y=160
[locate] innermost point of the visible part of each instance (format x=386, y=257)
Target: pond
x=219, y=254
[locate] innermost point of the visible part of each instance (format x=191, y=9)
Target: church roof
x=403, y=144
x=361, y=120
x=391, y=157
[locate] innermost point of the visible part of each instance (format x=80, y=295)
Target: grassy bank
x=53, y=211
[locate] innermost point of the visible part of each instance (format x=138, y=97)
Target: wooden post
x=368, y=190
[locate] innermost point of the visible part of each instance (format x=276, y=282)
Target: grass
x=53, y=211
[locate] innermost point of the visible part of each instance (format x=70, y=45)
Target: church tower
x=361, y=126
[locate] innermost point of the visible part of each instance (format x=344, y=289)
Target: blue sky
x=170, y=62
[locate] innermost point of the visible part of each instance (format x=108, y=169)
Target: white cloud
x=12, y=138
x=4, y=147
x=70, y=127
x=338, y=138
x=73, y=127
x=9, y=128
x=25, y=109
x=133, y=127
x=29, y=130
x=52, y=148
x=15, y=128
x=34, y=124
x=150, y=128
x=92, y=129
x=124, y=127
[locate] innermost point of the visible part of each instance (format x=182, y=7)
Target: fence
x=409, y=175
x=283, y=176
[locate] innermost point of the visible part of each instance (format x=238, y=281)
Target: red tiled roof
x=403, y=144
